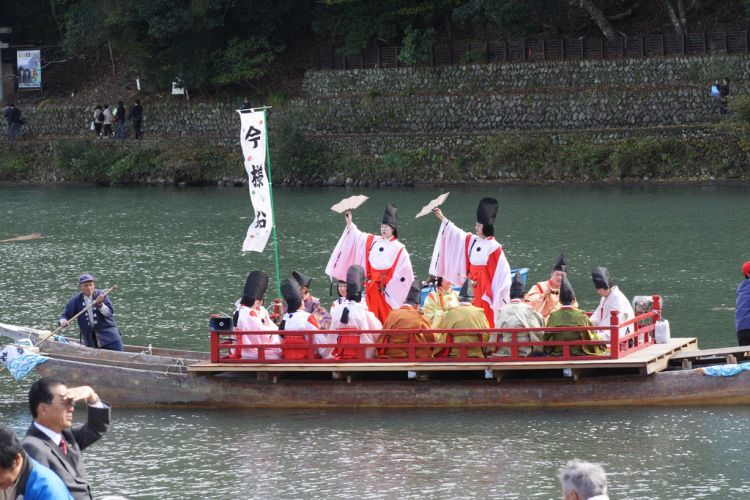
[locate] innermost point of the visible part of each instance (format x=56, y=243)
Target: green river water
x=175, y=256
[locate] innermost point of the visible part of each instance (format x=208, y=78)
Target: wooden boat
x=142, y=379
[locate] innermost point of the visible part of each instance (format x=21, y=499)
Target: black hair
x=293, y=305
x=248, y=301
x=41, y=392
x=137, y=101
x=488, y=230
x=395, y=231
x=439, y=282
x=10, y=447
x=355, y=296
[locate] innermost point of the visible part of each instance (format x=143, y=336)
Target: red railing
x=226, y=348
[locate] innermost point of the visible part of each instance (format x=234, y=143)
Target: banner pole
x=273, y=211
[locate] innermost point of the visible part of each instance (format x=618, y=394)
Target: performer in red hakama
x=385, y=260
x=459, y=255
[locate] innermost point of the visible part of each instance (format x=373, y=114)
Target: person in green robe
x=570, y=315
x=466, y=315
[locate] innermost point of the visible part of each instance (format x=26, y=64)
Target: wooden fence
x=561, y=49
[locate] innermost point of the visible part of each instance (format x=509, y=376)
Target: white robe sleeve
x=449, y=254
x=397, y=288
x=501, y=282
x=349, y=250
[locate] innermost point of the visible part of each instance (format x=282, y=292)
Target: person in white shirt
x=253, y=317
x=612, y=299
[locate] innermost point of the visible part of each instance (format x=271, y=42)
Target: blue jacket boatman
x=97, y=325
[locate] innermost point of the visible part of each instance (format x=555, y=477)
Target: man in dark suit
x=53, y=441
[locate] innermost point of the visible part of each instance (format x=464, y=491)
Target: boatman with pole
x=96, y=316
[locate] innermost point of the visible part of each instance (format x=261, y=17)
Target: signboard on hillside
x=29, y=69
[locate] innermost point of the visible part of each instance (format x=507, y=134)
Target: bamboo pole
x=50, y=334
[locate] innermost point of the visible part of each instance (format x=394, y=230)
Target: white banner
x=253, y=140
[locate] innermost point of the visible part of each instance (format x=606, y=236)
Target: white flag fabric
x=253, y=140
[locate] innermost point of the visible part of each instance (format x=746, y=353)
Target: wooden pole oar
x=50, y=334
x=26, y=237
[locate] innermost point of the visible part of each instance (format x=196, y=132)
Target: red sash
x=377, y=279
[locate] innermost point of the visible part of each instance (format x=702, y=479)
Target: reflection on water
x=661, y=453
x=175, y=254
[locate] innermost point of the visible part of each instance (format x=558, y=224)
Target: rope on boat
x=178, y=364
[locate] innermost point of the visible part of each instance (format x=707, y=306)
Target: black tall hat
x=486, y=211
x=415, y=293
x=516, y=287
x=302, y=279
x=290, y=291
x=601, y=278
x=390, y=216
x=560, y=264
x=256, y=285
x=567, y=295
x=355, y=280
x=467, y=291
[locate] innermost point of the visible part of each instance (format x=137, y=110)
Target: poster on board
x=29, y=69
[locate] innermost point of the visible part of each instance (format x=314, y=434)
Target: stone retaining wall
x=501, y=77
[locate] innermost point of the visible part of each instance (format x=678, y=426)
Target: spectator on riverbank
x=136, y=115
x=245, y=104
x=53, y=441
x=723, y=93
x=12, y=116
x=582, y=480
x=23, y=477
x=742, y=311
x=98, y=119
x=109, y=118
x=120, y=120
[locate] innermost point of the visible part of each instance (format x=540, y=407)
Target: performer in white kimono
x=518, y=314
x=612, y=299
x=384, y=258
x=298, y=319
x=353, y=315
x=253, y=317
x=459, y=255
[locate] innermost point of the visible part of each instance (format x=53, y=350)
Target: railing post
x=614, y=333
x=214, y=347
x=657, y=304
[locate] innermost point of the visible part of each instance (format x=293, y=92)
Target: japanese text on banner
x=253, y=140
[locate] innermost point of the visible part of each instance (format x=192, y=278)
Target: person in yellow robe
x=439, y=301
x=544, y=297
x=466, y=315
x=406, y=317
x=570, y=315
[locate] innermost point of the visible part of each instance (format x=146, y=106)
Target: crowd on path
x=111, y=123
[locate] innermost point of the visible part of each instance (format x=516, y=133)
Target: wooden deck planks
x=652, y=359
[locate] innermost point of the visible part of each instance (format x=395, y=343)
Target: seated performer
x=294, y=346
x=466, y=315
x=406, y=317
x=312, y=304
x=612, y=299
x=341, y=291
x=458, y=255
x=544, y=296
x=353, y=315
x=518, y=314
x=570, y=315
x=438, y=301
x=384, y=258
x=253, y=317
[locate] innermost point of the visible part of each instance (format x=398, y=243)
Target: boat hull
x=125, y=387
